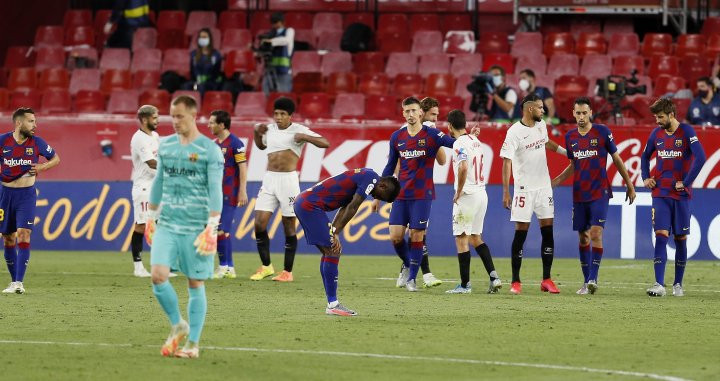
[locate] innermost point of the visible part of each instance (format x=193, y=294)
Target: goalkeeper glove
x=206, y=241
x=150, y=215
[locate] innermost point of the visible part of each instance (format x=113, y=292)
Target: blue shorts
x=17, y=209
x=315, y=224
x=671, y=215
x=226, y=218
x=176, y=251
x=414, y=213
x=589, y=213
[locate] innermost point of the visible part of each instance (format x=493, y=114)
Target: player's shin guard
x=166, y=296
x=197, y=309
x=263, y=246
x=585, y=258
x=136, y=245
x=290, y=249
x=415, y=259
x=660, y=258
x=23, y=258
x=402, y=251
x=597, y=253
x=221, y=244
x=329, y=271
x=464, y=261
x=680, y=260
x=484, y=252
x=228, y=251
x=548, y=249
x=10, y=259
x=517, y=252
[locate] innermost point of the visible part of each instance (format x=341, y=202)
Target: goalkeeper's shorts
x=176, y=251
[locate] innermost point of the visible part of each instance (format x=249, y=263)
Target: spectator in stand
x=278, y=74
x=128, y=15
x=503, y=98
x=705, y=108
x=527, y=86
x=205, y=65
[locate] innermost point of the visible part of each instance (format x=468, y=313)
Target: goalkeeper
x=188, y=188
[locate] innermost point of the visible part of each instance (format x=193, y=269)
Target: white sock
x=333, y=304
x=138, y=265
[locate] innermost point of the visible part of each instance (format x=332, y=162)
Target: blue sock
x=584, y=265
x=197, y=309
x=166, y=296
x=23, y=257
x=10, y=258
x=402, y=251
x=228, y=251
x=680, y=260
x=221, y=243
x=329, y=271
x=597, y=253
x=660, y=258
x=416, y=251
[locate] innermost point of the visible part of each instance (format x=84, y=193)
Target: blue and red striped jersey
x=337, y=191
x=18, y=158
x=233, y=151
x=417, y=160
x=589, y=157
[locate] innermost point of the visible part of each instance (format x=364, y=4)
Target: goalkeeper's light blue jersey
x=188, y=184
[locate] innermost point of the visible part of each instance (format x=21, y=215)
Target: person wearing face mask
x=278, y=76
x=705, y=108
x=527, y=86
x=205, y=65
x=503, y=98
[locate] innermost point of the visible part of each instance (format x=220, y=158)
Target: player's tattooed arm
x=37, y=168
x=630, y=188
x=258, y=135
x=563, y=175
x=506, y=171
x=317, y=141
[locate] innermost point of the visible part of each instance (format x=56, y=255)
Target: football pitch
x=85, y=317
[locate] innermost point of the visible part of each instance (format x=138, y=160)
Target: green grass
x=91, y=298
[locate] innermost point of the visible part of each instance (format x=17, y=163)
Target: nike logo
x=526, y=137
x=29, y=223
x=423, y=222
x=401, y=144
x=601, y=220
x=659, y=143
x=6, y=151
x=573, y=145
x=686, y=228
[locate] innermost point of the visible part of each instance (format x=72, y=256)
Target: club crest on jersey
x=678, y=143
x=29, y=151
x=357, y=170
x=224, y=150
x=193, y=157
x=421, y=142
x=594, y=142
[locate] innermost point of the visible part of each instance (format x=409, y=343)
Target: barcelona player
x=346, y=192
x=679, y=159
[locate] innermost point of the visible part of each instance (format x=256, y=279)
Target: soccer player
x=234, y=188
x=680, y=156
x=345, y=191
x=416, y=146
x=469, y=204
x=21, y=151
x=143, y=150
x=188, y=187
x=283, y=141
x=523, y=153
x=587, y=147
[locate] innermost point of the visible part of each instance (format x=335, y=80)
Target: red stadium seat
x=563, y=64
x=554, y=25
x=401, y=63
x=334, y=62
x=259, y=20
x=461, y=85
x=308, y=82
x=459, y=42
x=623, y=44
x=341, y=82
x=493, y=42
x=591, y=43
x=694, y=67
x=391, y=42
x=681, y=107
x=273, y=96
x=348, y=105
x=314, y=105
x=232, y=20
x=49, y=35
x=77, y=17
x=19, y=56
x=327, y=21
x=407, y=84
x=178, y=60
x=424, y=21
x=368, y=62
x=25, y=98
x=250, y=103
x=194, y=94
x=307, y=36
x=538, y=64
x=101, y=18
x=567, y=88
x=170, y=20
x=667, y=84
x=329, y=40
x=466, y=64
x=56, y=77
x=656, y=44
x=440, y=85
x=4, y=99
x=299, y=20
x=216, y=100
x=596, y=65
x=171, y=39
x=690, y=45
x=85, y=79
x=711, y=26
x=663, y=65
x=559, y=43
x=449, y=103
x=455, y=21
x=123, y=102
x=146, y=79
x=713, y=47
x=427, y=42
x=624, y=65
x=90, y=54
x=374, y=84
x=392, y=23
x=158, y=98
x=50, y=56
x=115, y=58
x=146, y=59
x=382, y=107
x=242, y=61
x=527, y=44
x=199, y=19
x=80, y=36
x=116, y=79
x=304, y=61
x=366, y=18
x=236, y=39
x=22, y=78
x=144, y=38
x=503, y=60
x=434, y=63
x=56, y=100
x=618, y=25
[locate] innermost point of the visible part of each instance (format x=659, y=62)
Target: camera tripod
x=612, y=109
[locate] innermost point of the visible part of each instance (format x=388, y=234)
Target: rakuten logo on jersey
x=669, y=154
x=585, y=154
x=16, y=162
x=412, y=154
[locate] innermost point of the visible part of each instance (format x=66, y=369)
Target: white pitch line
x=383, y=356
